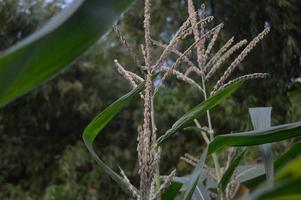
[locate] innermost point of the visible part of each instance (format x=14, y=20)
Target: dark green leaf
x=199, y=110
x=273, y=134
x=171, y=192
x=56, y=45
x=229, y=172
x=99, y=122
x=200, y=191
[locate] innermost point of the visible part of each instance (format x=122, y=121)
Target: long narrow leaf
x=188, y=181
x=191, y=189
x=56, y=45
x=99, y=122
x=274, y=134
x=200, y=191
x=199, y=110
x=229, y=172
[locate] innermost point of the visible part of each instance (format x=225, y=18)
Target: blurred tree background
x=42, y=154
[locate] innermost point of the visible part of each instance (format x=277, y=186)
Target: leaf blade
x=171, y=192
x=191, y=189
x=56, y=45
x=99, y=122
x=229, y=172
x=198, y=110
x=257, y=137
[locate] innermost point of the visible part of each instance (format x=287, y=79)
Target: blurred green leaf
x=290, y=170
x=285, y=158
x=99, y=122
x=287, y=184
x=286, y=190
x=273, y=134
x=199, y=110
x=289, y=155
x=56, y=45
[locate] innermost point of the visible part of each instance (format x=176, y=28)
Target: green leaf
x=290, y=170
x=285, y=190
x=287, y=185
x=199, y=191
x=289, y=155
x=199, y=110
x=229, y=172
x=171, y=192
x=99, y=122
x=191, y=189
x=273, y=134
x=56, y=45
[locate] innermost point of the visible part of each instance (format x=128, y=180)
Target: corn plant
x=37, y=58
x=222, y=180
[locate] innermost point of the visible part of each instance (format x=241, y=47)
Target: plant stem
x=211, y=134
x=205, y=137
x=154, y=130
